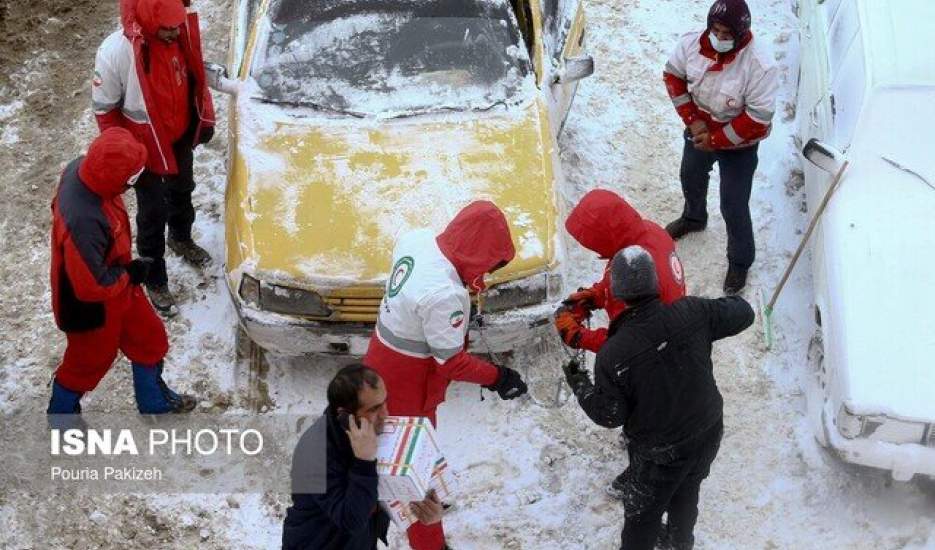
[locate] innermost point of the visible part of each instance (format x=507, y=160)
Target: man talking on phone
x=346, y=516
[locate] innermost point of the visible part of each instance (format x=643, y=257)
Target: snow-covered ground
x=531, y=477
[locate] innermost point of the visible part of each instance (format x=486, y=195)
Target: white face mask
x=722, y=46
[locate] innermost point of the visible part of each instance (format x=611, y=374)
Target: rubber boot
x=64, y=400
x=65, y=409
x=153, y=396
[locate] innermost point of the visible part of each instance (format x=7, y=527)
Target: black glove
x=509, y=384
x=138, y=269
x=207, y=132
x=576, y=377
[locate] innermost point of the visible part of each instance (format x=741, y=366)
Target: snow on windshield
x=375, y=57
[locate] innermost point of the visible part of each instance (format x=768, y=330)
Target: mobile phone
x=344, y=419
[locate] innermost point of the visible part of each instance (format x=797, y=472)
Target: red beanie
x=112, y=158
x=153, y=14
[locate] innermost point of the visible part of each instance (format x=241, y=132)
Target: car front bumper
x=904, y=460
x=499, y=333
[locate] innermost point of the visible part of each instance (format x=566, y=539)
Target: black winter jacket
x=654, y=375
x=347, y=516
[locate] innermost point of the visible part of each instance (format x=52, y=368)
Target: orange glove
x=581, y=303
x=569, y=328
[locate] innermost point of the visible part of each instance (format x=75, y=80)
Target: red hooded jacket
x=117, y=86
x=477, y=242
x=91, y=231
x=419, y=345
x=605, y=223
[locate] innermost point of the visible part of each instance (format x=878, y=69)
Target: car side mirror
x=576, y=68
x=217, y=79
x=823, y=156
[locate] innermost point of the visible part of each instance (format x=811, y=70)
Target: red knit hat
x=153, y=14
x=112, y=158
x=734, y=14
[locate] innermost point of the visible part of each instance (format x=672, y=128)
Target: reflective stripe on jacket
x=119, y=97
x=734, y=93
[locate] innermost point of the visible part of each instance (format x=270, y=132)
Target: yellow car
x=352, y=121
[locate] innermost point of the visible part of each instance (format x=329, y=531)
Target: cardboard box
x=400, y=512
x=410, y=463
x=407, y=452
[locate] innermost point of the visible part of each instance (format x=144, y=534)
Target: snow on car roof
x=898, y=37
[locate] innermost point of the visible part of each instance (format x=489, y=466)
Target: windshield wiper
x=451, y=109
x=311, y=105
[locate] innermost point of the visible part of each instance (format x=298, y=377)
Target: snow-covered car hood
x=320, y=200
x=878, y=240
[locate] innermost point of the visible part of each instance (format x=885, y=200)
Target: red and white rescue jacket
x=734, y=93
x=606, y=223
x=419, y=342
x=121, y=98
x=419, y=345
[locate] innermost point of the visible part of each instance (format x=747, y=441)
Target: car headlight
x=524, y=292
x=249, y=290
x=849, y=424
x=879, y=428
x=282, y=299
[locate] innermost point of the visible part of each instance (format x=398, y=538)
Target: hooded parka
x=92, y=298
x=138, y=79
x=606, y=223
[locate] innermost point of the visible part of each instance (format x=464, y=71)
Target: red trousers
x=413, y=388
x=131, y=325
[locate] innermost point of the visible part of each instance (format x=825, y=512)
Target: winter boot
x=153, y=396
x=65, y=408
x=735, y=280
x=190, y=252
x=163, y=300
x=617, y=488
x=681, y=227
x=64, y=400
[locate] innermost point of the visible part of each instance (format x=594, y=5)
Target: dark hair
x=346, y=384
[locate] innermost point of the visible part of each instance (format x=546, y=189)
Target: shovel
x=832, y=161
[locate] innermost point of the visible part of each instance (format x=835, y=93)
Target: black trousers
x=658, y=483
x=162, y=201
x=736, y=167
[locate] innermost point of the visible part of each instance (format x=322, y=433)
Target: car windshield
x=371, y=57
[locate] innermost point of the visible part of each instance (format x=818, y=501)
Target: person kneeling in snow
x=96, y=294
x=654, y=377
x=419, y=345
x=346, y=516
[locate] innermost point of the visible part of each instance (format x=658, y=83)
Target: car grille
x=929, y=438
x=355, y=305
